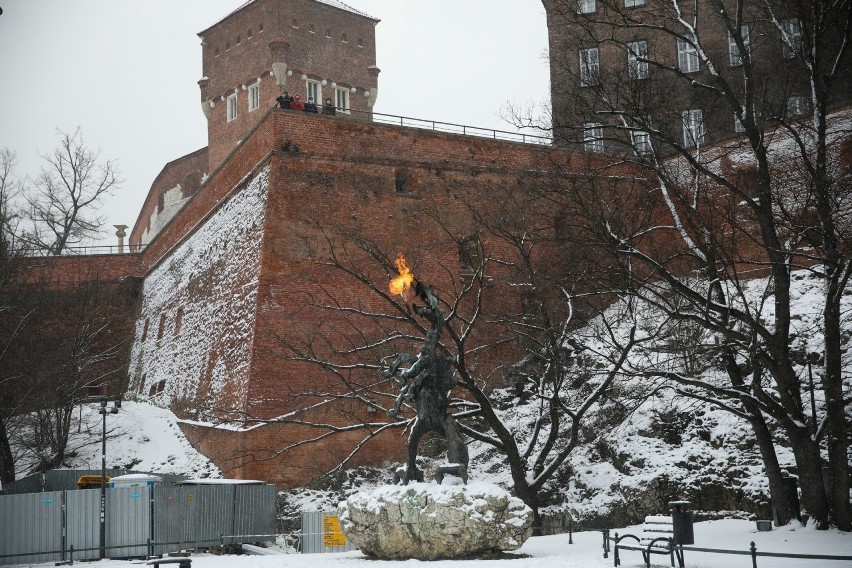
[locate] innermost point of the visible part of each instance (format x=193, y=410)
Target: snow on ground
x=586, y=552
x=141, y=437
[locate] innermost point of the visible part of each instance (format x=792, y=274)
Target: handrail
x=439, y=126
x=82, y=251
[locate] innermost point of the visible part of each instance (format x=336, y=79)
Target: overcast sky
x=126, y=72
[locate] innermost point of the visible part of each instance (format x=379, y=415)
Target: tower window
x=311, y=29
x=178, y=320
x=589, y=67
x=586, y=6
x=693, y=127
x=343, y=39
x=593, y=137
x=791, y=37
x=637, y=51
x=687, y=56
x=734, y=50
x=254, y=96
x=360, y=42
x=314, y=90
x=295, y=23
x=232, y=107
x=341, y=97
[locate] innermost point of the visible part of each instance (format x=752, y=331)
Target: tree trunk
x=782, y=508
x=837, y=429
x=809, y=466
x=7, y=461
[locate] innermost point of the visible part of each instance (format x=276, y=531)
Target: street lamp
x=103, y=411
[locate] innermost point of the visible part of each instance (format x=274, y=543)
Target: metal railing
x=448, y=127
x=82, y=250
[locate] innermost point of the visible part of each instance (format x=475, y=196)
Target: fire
x=401, y=284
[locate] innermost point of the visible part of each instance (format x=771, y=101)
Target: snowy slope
x=140, y=437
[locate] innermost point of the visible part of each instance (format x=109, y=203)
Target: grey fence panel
x=320, y=534
x=211, y=510
x=82, y=526
x=29, y=484
x=128, y=521
x=171, y=528
x=30, y=524
x=254, y=514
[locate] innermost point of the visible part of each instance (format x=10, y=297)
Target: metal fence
x=321, y=533
x=140, y=521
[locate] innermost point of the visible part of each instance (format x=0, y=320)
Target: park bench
x=183, y=562
x=657, y=538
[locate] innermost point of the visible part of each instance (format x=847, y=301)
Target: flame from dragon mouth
x=402, y=283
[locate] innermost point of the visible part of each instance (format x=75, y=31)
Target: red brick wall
x=63, y=271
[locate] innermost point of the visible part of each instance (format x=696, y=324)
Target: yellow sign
x=331, y=535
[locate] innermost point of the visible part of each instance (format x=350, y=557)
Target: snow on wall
x=193, y=339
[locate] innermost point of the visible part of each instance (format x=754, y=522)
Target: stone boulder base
x=431, y=522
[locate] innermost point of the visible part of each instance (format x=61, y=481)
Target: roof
x=333, y=3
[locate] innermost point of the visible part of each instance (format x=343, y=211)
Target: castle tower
x=318, y=48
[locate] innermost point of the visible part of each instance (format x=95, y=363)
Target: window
x=637, y=50
x=641, y=142
x=738, y=124
x=295, y=23
x=311, y=29
x=693, y=127
x=343, y=38
x=341, y=97
x=586, y=6
x=589, y=67
x=797, y=105
x=687, y=57
x=791, y=37
x=254, y=96
x=593, y=137
x=734, y=49
x=314, y=90
x=232, y=107
x=145, y=330
x=633, y=3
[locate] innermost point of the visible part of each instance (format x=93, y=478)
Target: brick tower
x=318, y=48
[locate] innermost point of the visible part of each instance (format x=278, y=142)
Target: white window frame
x=687, y=57
x=589, y=66
x=633, y=3
x=254, y=96
x=791, y=37
x=797, y=105
x=693, y=127
x=593, y=137
x=637, y=69
x=587, y=6
x=733, y=49
x=316, y=87
x=231, y=107
x=341, y=99
x=641, y=142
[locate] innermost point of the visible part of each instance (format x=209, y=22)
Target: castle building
x=319, y=49
x=622, y=69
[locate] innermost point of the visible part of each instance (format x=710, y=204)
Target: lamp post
x=103, y=411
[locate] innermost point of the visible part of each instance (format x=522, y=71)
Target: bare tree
x=764, y=204
x=511, y=333
x=64, y=198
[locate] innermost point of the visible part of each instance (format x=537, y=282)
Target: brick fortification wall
x=322, y=172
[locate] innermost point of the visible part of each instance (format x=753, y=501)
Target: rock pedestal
x=430, y=522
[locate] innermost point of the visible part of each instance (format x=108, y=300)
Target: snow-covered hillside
x=140, y=436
